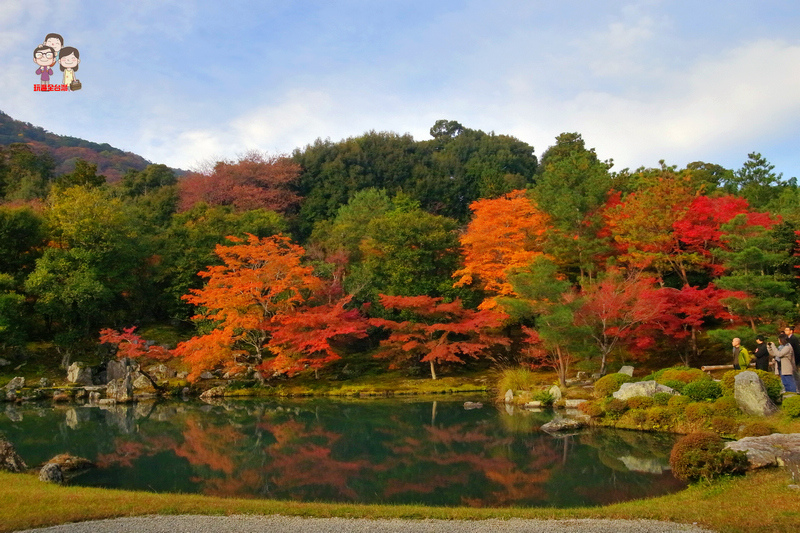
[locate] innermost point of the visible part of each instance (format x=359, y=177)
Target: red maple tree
x=440, y=332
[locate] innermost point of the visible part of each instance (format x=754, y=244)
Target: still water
x=371, y=451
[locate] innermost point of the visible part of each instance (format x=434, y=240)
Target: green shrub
x=675, y=385
x=663, y=398
x=703, y=390
x=593, y=409
x=545, y=397
x=608, y=385
x=516, y=379
x=726, y=406
x=614, y=407
x=634, y=418
x=640, y=402
x=702, y=455
x=771, y=382
x=683, y=374
x=679, y=402
x=659, y=417
x=695, y=412
x=791, y=406
x=724, y=425
x=755, y=429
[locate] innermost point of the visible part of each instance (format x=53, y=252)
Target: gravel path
x=276, y=523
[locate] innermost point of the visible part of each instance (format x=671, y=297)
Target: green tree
x=757, y=181
x=24, y=174
x=572, y=184
x=85, y=174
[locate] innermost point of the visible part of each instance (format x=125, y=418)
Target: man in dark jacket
x=761, y=354
x=795, y=344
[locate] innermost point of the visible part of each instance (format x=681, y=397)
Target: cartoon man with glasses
x=44, y=56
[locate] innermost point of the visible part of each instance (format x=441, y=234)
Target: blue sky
x=187, y=82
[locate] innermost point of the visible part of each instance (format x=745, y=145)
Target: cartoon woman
x=43, y=56
x=56, y=42
x=68, y=63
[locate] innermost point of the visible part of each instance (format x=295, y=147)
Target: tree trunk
x=433, y=371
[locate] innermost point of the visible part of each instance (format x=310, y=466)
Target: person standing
x=741, y=357
x=761, y=354
x=784, y=361
x=795, y=343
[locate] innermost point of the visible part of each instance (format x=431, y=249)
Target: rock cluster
x=641, y=388
x=9, y=459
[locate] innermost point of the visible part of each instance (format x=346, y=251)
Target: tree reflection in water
x=372, y=451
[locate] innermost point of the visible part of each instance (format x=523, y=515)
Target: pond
x=432, y=452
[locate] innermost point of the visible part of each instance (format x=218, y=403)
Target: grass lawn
x=759, y=502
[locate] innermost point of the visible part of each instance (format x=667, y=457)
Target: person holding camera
x=784, y=361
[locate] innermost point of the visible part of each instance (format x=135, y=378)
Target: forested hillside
x=426, y=254
x=65, y=151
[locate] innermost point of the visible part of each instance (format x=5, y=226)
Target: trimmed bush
x=635, y=418
x=696, y=412
x=593, y=409
x=791, y=406
x=726, y=406
x=659, y=417
x=683, y=374
x=675, y=384
x=663, y=398
x=755, y=429
x=703, y=390
x=545, y=397
x=614, y=408
x=771, y=382
x=702, y=455
x=640, y=402
x=608, y=385
x=724, y=425
x=678, y=402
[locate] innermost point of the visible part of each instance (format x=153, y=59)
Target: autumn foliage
x=505, y=233
x=440, y=331
x=255, y=181
x=259, y=281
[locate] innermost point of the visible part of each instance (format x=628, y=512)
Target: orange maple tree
x=505, y=233
x=442, y=331
x=259, y=281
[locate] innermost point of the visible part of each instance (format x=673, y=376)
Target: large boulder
x=79, y=374
x=51, y=473
x=769, y=450
x=751, y=395
x=120, y=390
x=116, y=369
x=69, y=463
x=555, y=392
x=9, y=460
x=15, y=384
x=641, y=388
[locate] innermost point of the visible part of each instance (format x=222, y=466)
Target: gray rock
x=555, y=392
x=117, y=369
x=184, y=375
x=582, y=376
x=572, y=404
x=473, y=405
x=563, y=424
x=768, y=450
x=69, y=463
x=51, y=473
x=596, y=376
x=216, y=392
x=534, y=404
x=206, y=375
x=642, y=388
x=4, y=362
x=141, y=382
x=509, y=396
x=44, y=382
x=627, y=370
x=9, y=460
x=751, y=395
x=120, y=390
x=15, y=384
x=79, y=373
x=161, y=371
